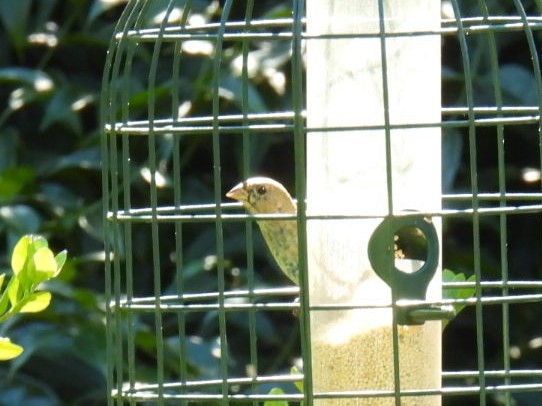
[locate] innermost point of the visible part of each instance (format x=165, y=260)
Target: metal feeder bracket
x=409, y=289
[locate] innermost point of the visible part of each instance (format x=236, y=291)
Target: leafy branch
x=32, y=263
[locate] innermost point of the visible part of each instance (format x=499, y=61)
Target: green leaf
x=14, y=16
x=36, y=79
x=37, y=302
x=20, y=254
x=154, y=11
x=15, y=291
x=234, y=87
x=32, y=262
x=265, y=329
x=44, y=264
x=13, y=180
x=101, y=6
x=60, y=260
x=21, y=219
x=10, y=142
x=59, y=111
x=518, y=84
x=38, y=242
x=459, y=292
x=8, y=350
x=276, y=391
x=59, y=197
x=298, y=384
x=4, y=297
x=84, y=159
x=200, y=353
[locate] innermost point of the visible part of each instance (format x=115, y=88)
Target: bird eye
x=261, y=190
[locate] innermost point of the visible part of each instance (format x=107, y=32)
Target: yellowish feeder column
x=347, y=167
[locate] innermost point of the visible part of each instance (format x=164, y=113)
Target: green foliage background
x=51, y=61
x=51, y=64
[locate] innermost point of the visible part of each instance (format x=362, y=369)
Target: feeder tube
x=382, y=103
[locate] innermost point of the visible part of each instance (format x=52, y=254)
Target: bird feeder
x=373, y=152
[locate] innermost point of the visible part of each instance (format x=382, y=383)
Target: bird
x=262, y=195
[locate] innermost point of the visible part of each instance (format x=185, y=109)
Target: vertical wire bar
x=127, y=226
x=245, y=106
x=246, y=146
x=219, y=227
x=106, y=228
x=119, y=249
x=177, y=201
x=118, y=355
x=151, y=107
x=389, y=185
x=469, y=93
x=503, y=236
x=107, y=116
x=127, y=230
x=298, y=102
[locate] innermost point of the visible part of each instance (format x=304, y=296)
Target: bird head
x=261, y=195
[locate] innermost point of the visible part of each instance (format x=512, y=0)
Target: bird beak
x=238, y=193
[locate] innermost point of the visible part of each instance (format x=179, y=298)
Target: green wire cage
x=410, y=135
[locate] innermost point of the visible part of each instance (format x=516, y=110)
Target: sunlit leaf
x=38, y=242
x=276, y=391
x=457, y=292
x=37, y=302
x=14, y=291
x=8, y=350
x=45, y=263
x=461, y=292
x=298, y=384
x=20, y=254
x=4, y=297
